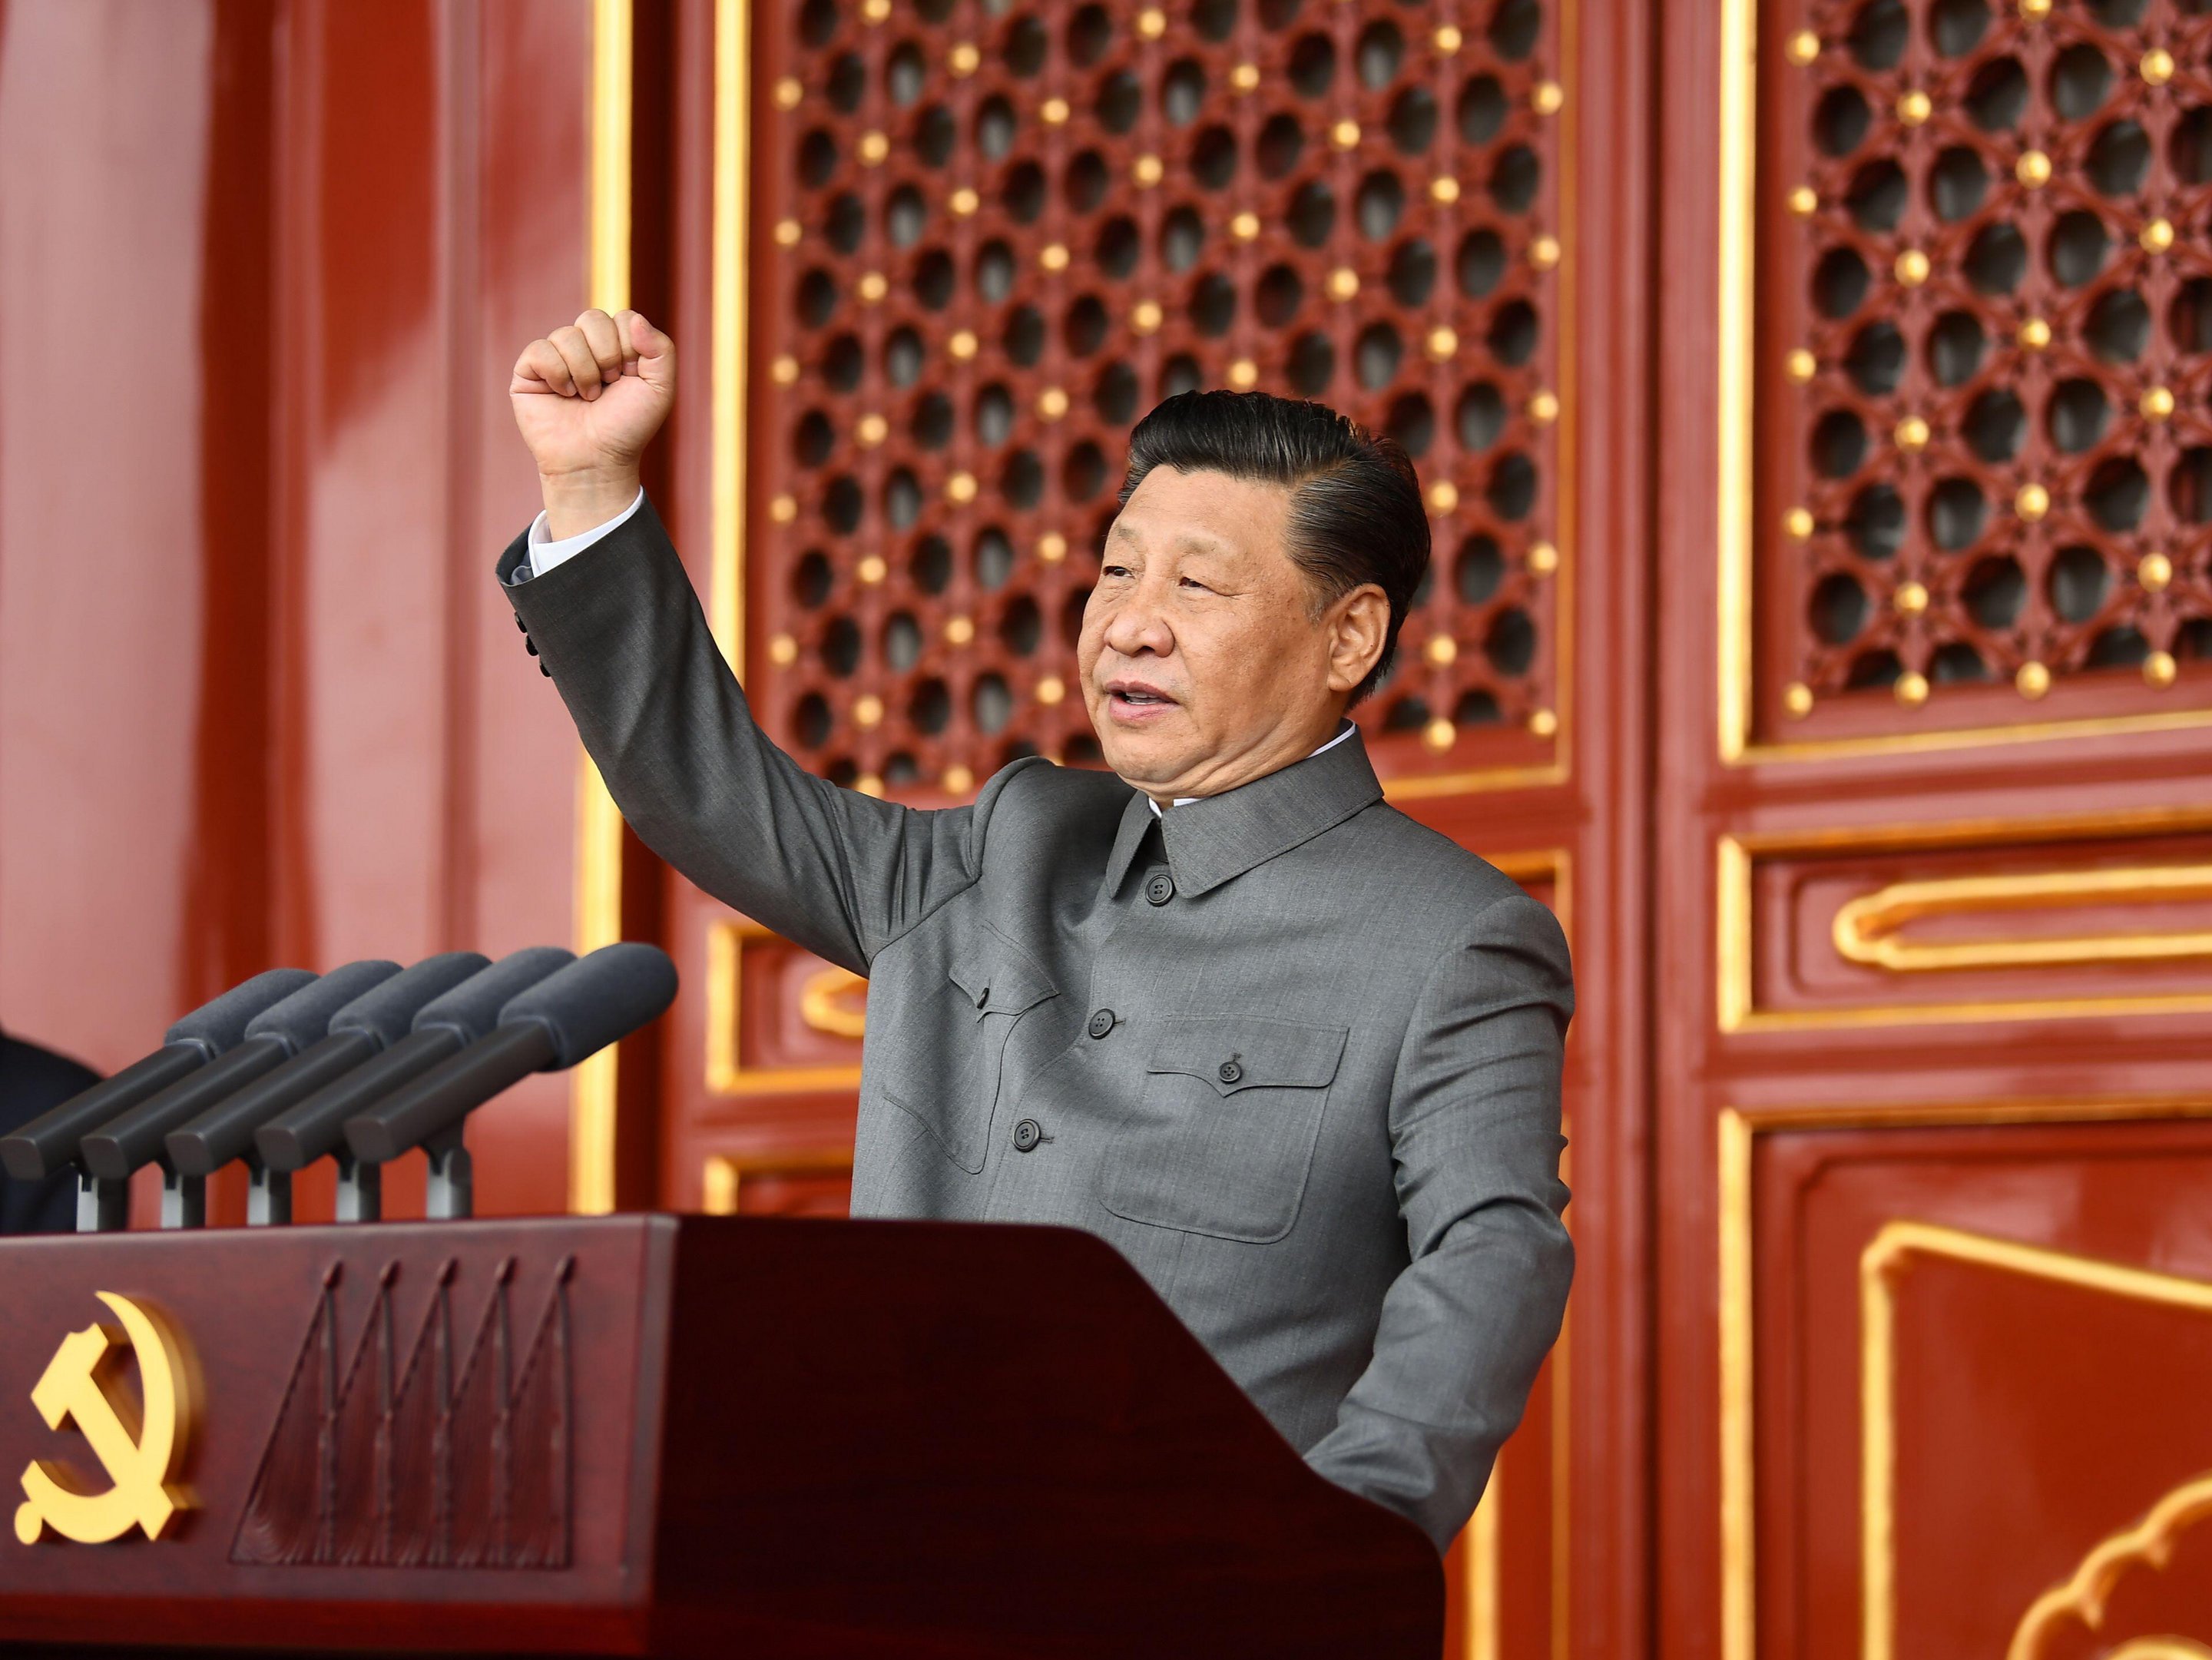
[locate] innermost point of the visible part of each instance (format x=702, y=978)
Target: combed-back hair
x=1356, y=514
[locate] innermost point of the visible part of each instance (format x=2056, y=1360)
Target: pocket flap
x=999, y=979
x=1235, y=1052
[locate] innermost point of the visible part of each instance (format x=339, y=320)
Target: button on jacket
x=1295, y=1055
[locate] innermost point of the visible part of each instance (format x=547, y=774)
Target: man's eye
x=1112, y=570
x=1193, y=582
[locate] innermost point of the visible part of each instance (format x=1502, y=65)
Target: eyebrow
x=1186, y=542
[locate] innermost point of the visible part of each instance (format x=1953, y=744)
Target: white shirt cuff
x=546, y=552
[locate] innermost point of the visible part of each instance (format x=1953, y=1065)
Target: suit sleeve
x=621, y=633
x=1474, y=1124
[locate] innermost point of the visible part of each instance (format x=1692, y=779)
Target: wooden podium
x=655, y=1435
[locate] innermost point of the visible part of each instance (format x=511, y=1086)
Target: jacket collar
x=1218, y=838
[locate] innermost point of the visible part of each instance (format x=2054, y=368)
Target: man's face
x=1203, y=664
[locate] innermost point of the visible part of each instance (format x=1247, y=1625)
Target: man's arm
x=1475, y=1130
x=620, y=630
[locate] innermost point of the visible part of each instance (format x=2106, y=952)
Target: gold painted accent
x=963, y=59
x=1438, y=733
x=1911, y=689
x=1244, y=226
x=142, y=1446
x=1147, y=170
x=1443, y=342
x=875, y=11
x=871, y=430
x=958, y=781
x=1055, y=112
x=1151, y=22
x=2035, y=334
x=1912, y=433
x=1803, y=365
x=1343, y=283
x=2157, y=236
x=1543, y=559
x=783, y=651
x=1544, y=723
x=1050, y=690
x=1445, y=190
x=2033, y=501
x=1912, y=268
x=871, y=569
x=1914, y=107
x=1544, y=253
x=2035, y=10
x=1345, y=134
x=1866, y=928
x=2032, y=169
x=824, y=997
x=785, y=370
x=726, y=1076
x=2155, y=571
x=1052, y=547
x=788, y=92
x=1245, y=77
x=728, y=279
x=783, y=509
x=965, y=200
x=963, y=345
x=724, y=1177
x=2156, y=67
x=2159, y=670
x=1802, y=48
x=1145, y=316
x=2160, y=1648
x=1483, y=1585
x=1053, y=256
x=1443, y=495
x=1804, y=200
x=960, y=488
x=2156, y=404
x=788, y=232
x=1798, y=521
x=868, y=784
x=1051, y=403
x=2033, y=680
x=1547, y=98
x=959, y=630
x=874, y=286
x=1797, y=699
x=1912, y=598
x=1544, y=408
x=1448, y=39
x=1243, y=374
x=1442, y=650
x=868, y=710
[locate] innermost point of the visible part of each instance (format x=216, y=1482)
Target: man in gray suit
x=1295, y=1055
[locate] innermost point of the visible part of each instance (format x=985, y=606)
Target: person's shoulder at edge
x=1451, y=885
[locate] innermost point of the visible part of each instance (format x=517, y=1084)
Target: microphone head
x=597, y=999
x=304, y=1017
x=471, y=1009
x=215, y=1027
x=385, y=1014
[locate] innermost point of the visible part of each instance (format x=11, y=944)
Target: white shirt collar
x=1185, y=801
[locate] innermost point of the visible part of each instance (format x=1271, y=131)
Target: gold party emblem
x=141, y=1445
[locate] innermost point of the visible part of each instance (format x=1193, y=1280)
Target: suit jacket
x=1296, y=1055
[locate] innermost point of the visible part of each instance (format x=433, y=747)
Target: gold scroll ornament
x=1868, y=929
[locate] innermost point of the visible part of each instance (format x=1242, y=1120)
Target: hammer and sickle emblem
x=140, y=1450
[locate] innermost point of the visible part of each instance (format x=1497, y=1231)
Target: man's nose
x=1139, y=625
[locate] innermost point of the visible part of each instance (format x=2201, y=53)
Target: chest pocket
x=1223, y=1132
x=944, y=1035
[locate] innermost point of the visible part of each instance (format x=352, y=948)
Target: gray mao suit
x=1294, y=1054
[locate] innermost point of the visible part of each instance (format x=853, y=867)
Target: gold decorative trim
x=1866, y=927
x=727, y=371
x=823, y=1002
x=591, y=1098
x=1738, y=1129
x=727, y=1074
x=1735, y=1005
x=1483, y=1579
x=2161, y=1648
x=723, y=1179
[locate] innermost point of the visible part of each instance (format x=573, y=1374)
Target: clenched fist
x=588, y=399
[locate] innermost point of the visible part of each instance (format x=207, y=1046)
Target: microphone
x=363, y=1029
x=135, y=1137
x=443, y=1028
x=588, y=1005
x=51, y=1142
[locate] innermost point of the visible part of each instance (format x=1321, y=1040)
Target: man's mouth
x=1134, y=699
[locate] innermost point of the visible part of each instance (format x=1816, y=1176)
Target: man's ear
x=1358, y=624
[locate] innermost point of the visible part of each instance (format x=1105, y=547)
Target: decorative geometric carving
x=440, y=1457
x=1985, y=316
x=992, y=237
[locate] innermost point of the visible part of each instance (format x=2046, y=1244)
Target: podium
x=655, y=1435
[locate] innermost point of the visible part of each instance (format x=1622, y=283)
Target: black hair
x=1356, y=514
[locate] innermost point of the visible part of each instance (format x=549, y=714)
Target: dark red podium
x=570, y=1437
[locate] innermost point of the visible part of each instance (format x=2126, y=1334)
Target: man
x=1295, y=1055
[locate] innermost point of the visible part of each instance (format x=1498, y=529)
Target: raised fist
x=588, y=399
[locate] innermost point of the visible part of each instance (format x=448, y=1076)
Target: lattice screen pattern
x=1994, y=314
x=991, y=236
